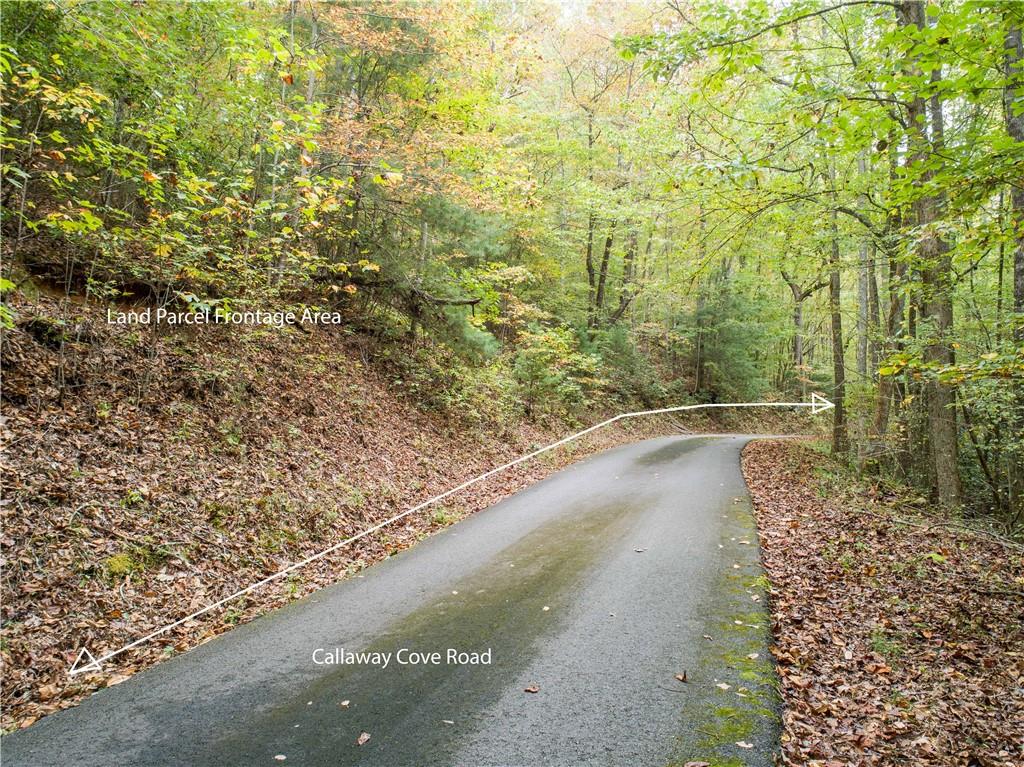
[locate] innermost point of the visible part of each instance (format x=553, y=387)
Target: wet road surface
x=595, y=588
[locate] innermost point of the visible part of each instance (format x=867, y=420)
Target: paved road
x=595, y=587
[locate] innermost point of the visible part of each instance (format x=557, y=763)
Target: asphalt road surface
x=593, y=589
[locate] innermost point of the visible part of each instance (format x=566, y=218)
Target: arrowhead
x=819, y=404
x=83, y=663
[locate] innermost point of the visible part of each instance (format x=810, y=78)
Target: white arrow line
x=817, y=404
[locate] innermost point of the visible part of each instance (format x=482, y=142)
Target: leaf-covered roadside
x=168, y=473
x=899, y=635
x=174, y=473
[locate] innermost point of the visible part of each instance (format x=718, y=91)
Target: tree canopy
x=554, y=208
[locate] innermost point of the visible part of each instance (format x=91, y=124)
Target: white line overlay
x=86, y=662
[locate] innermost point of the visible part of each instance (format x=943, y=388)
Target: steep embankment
x=149, y=477
x=145, y=480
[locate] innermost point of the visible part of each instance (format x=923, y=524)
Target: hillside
x=275, y=272
x=148, y=477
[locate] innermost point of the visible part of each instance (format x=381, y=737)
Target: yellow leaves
x=306, y=160
x=287, y=78
x=389, y=178
x=350, y=289
x=149, y=177
x=368, y=266
x=161, y=250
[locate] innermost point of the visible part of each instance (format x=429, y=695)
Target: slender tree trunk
x=874, y=312
x=591, y=272
x=798, y=345
x=894, y=315
x=629, y=288
x=862, y=311
x=602, y=276
x=800, y=294
x=1013, y=97
x=591, y=225
x=840, y=434
x=863, y=299
x=699, y=357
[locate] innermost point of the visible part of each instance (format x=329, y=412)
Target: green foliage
x=121, y=565
x=554, y=377
x=629, y=376
x=526, y=217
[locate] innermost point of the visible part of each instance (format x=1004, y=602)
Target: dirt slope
x=145, y=481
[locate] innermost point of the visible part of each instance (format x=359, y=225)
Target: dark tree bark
x=840, y=431
x=602, y=276
x=591, y=224
x=629, y=287
x=591, y=272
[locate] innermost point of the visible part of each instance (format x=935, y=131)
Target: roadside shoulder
x=896, y=642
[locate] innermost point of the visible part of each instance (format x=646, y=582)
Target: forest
x=502, y=221
x=554, y=208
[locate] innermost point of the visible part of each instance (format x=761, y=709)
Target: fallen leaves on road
x=532, y=688
x=886, y=654
x=363, y=739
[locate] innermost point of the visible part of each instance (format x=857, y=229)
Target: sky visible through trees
x=564, y=208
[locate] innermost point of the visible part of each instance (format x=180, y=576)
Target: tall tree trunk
x=840, y=436
x=862, y=311
x=699, y=358
x=591, y=272
x=894, y=315
x=933, y=252
x=800, y=294
x=591, y=224
x=629, y=287
x=874, y=312
x=863, y=298
x=1013, y=102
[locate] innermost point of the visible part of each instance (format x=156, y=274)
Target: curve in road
x=571, y=608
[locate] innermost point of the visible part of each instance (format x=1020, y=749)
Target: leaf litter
x=886, y=655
